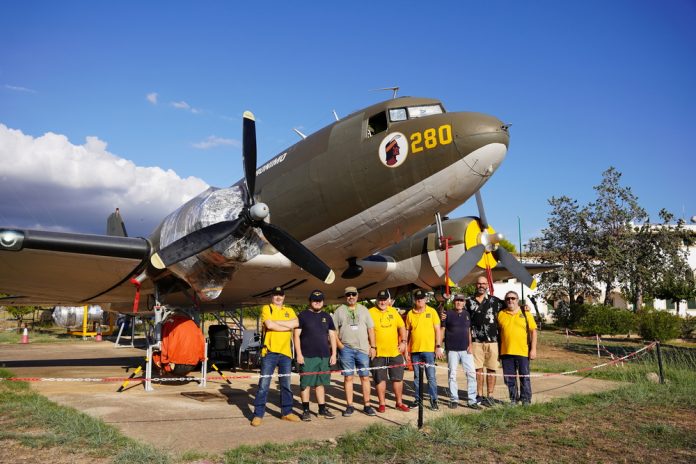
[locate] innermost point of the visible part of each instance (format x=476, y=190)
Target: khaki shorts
x=485, y=355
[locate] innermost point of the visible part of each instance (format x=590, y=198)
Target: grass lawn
x=641, y=422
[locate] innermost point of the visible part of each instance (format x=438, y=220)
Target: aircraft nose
x=475, y=130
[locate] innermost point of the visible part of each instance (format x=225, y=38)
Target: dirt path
x=216, y=418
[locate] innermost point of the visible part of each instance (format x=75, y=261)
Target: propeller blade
x=249, y=153
x=297, y=252
x=194, y=243
x=481, y=211
x=466, y=263
x=515, y=267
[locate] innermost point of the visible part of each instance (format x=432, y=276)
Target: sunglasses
x=351, y=294
x=510, y=298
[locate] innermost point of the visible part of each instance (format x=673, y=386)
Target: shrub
x=658, y=325
x=569, y=316
x=600, y=319
x=688, y=327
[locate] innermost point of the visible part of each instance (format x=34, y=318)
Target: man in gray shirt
x=356, y=346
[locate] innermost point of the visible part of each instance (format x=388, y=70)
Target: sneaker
x=403, y=407
x=382, y=408
x=256, y=421
x=496, y=400
x=291, y=418
x=306, y=416
x=479, y=399
x=434, y=406
x=415, y=404
x=474, y=406
x=453, y=404
x=326, y=414
x=349, y=411
x=369, y=410
x=488, y=401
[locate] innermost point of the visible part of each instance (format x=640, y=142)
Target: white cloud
x=213, y=141
x=48, y=182
x=182, y=105
x=17, y=88
x=152, y=98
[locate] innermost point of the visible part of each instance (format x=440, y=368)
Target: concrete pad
x=219, y=419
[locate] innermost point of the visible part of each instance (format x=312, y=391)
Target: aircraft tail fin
x=115, y=226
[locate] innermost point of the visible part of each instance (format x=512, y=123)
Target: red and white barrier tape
x=259, y=376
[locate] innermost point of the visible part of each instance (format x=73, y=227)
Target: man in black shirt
x=315, y=349
x=456, y=330
x=483, y=310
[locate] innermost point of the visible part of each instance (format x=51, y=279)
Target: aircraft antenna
x=299, y=133
x=395, y=90
x=336, y=115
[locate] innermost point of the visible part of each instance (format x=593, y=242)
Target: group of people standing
x=379, y=340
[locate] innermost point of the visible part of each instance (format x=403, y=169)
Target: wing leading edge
x=40, y=267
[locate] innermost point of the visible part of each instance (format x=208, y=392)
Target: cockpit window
x=425, y=110
x=377, y=124
x=397, y=114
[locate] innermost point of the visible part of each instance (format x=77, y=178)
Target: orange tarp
x=182, y=341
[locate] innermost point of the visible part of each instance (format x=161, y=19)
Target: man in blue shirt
x=315, y=349
x=456, y=331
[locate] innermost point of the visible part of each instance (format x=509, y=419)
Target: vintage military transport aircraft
x=352, y=204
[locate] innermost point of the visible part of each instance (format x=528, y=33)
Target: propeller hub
x=490, y=240
x=258, y=212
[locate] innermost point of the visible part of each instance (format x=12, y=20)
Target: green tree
x=655, y=263
x=612, y=237
x=566, y=242
x=19, y=312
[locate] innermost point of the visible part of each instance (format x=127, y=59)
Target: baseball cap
x=418, y=294
x=459, y=296
x=383, y=295
x=278, y=291
x=316, y=295
x=350, y=290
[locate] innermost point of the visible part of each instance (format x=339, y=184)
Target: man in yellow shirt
x=423, y=331
x=278, y=323
x=390, y=340
x=518, y=339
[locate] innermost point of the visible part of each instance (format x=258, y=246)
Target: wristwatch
x=373, y=347
x=438, y=346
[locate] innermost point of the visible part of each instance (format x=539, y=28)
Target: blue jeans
x=351, y=359
x=466, y=360
x=513, y=365
x=268, y=366
x=428, y=358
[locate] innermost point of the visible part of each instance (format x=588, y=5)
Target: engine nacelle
x=71, y=317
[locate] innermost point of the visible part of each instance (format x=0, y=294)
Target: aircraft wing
x=53, y=268
x=39, y=267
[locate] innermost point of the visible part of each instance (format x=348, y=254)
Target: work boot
x=256, y=421
x=291, y=418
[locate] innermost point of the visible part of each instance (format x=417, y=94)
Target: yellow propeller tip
x=249, y=115
x=330, y=278
x=157, y=261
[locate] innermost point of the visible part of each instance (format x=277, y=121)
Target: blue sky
x=586, y=85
